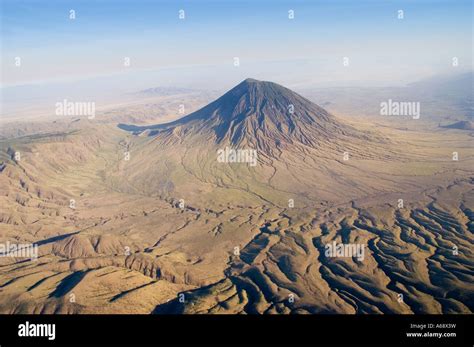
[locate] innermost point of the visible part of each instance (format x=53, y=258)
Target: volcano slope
x=160, y=224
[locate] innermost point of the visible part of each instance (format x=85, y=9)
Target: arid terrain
x=133, y=212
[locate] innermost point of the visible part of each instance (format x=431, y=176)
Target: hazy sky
x=307, y=49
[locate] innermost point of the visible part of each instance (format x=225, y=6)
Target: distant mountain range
x=448, y=97
x=462, y=125
x=164, y=91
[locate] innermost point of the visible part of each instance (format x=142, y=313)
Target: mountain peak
x=251, y=80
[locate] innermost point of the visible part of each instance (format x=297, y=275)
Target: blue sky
x=308, y=48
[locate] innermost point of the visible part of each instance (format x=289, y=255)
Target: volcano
x=300, y=148
x=259, y=114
